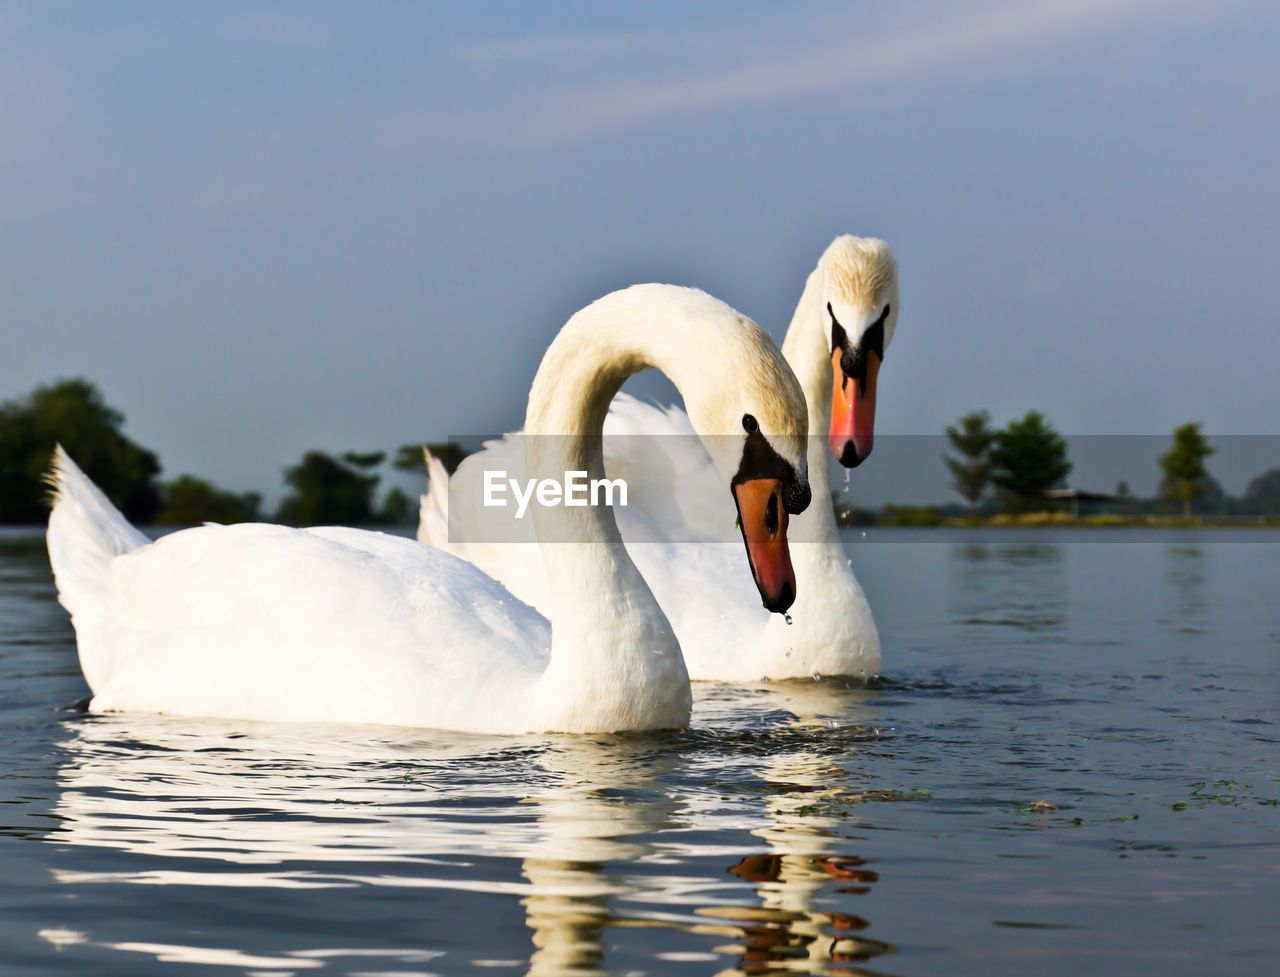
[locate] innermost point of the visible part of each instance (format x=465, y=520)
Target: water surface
x=1071, y=764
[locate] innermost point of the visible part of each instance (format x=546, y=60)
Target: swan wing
x=266, y=622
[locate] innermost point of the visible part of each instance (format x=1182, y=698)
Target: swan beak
x=853, y=411
x=763, y=519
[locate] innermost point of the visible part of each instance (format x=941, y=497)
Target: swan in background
x=335, y=624
x=837, y=339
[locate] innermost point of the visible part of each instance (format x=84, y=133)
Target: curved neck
x=676, y=330
x=612, y=647
x=590, y=577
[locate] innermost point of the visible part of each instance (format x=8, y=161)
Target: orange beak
x=763, y=519
x=853, y=412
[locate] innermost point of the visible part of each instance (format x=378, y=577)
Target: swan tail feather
x=433, y=512
x=86, y=532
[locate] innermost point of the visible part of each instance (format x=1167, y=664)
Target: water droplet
x=659, y=652
x=786, y=617
x=764, y=678
x=788, y=653
x=832, y=724
x=847, y=473
x=817, y=677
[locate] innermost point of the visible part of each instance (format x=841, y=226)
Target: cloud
x=939, y=41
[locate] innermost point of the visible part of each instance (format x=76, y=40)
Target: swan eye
x=749, y=424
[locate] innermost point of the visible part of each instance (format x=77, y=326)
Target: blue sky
x=265, y=228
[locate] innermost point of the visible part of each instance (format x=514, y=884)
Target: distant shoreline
x=923, y=519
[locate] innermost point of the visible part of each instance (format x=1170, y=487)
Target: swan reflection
x=596, y=841
x=807, y=864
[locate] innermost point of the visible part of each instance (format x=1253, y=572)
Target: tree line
x=1016, y=467
x=322, y=489
x=1008, y=469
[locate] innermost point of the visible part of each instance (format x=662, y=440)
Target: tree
x=971, y=472
x=1028, y=458
x=364, y=459
x=73, y=413
x=327, y=492
x=191, y=501
x=395, y=509
x=1185, y=474
x=409, y=456
x=1263, y=494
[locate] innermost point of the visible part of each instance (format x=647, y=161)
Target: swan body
x=694, y=570
x=335, y=624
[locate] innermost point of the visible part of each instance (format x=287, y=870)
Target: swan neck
x=580, y=374
x=612, y=646
x=807, y=350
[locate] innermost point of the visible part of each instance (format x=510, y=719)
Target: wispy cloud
x=948, y=37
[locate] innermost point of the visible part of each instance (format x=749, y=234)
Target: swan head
x=860, y=313
x=749, y=409
x=768, y=487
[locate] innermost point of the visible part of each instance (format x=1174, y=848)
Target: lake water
x=1072, y=766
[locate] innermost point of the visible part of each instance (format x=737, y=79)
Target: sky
x=266, y=228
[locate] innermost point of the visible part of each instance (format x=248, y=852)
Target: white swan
x=265, y=622
x=842, y=325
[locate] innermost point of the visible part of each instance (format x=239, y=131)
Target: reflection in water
x=788, y=931
x=304, y=807
x=806, y=859
x=590, y=819
x=1016, y=585
x=28, y=600
x=211, y=790
x=282, y=807
x=1185, y=573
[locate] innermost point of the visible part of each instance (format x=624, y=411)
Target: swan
x=334, y=624
x=843, y=323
